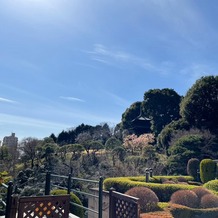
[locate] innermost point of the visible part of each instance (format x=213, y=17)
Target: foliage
x=112, y=142
x=28, y=146
x=184, y=149
x=207, y=170
x=31, y=191
x=162, y=107
x=212, y=185
x=137, y=143
x=180, y=211
x=201, y=191
x=4, y=177
x=167, y=133
x=65, y=138
x=131, y=113
x=73, y=209
x=147, y=198
x=193, y=167
x=209, y=201
x=163, y=191
x=120, y=152
x=199, y=106
x=185, y=197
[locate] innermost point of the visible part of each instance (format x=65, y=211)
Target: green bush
x=212, y=185
x=186, y=198
x=73, y=209
x=163, y=191
x=207, y=170
x=193, y=167
x=179, y=211
x=160, y=179
x=209, y=201
x=201, y=191
x=147, y=198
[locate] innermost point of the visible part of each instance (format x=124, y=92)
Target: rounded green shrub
x=163, y=191
x=193, y=167
x=147, y=198
x=185, y=197
x=201, y=191
x=209, y=201
x=212, y=185
x=73, y=209
x=207, y=170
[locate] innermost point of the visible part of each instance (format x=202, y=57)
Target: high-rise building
x=10, y=141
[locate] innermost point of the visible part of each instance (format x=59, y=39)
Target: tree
x=53, y=137
x=84, y=139
x=131, y=113
x=76, y=150
x=28, y=147
x=120, y=152
x=162, y=107
x=167, y=133
x=185, y=148
x=112, y=142
x=200, y=105
x=63, y=138
x=137, y=143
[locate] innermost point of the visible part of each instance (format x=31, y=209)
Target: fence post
x=151, y=172
x=47, y=183
x=111, y=203
x=69, y=183
x=147, y=173
x=14, y=206
x=9, y=199
x=100, y=199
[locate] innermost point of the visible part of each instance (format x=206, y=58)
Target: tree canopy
x=162, y=107
x=200, y=105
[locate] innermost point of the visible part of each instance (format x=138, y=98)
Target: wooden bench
x=42, y=206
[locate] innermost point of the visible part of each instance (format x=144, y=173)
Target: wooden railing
x=121, y=205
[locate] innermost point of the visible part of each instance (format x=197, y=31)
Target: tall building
x=10, y=141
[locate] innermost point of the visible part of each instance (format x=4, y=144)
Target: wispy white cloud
x=103, y=54
x=72, y=98
x=6, y=100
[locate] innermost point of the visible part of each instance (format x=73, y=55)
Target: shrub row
x=160, y=179
x=179, y=211
x=163, y=191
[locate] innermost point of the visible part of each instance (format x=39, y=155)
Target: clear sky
x=67, y=62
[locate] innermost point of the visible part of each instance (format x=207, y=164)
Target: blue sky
x=67, y=62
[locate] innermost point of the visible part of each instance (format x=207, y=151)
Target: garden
x=190, y=196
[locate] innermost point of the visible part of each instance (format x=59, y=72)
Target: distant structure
x=10, y=141
x=141, y=125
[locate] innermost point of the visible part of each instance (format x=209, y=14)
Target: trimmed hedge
x=73, y=209
x=207, y=170
x=160, y=179
x=163, y=191
x=179, y=211
x=212, y=185
x=192, y=167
